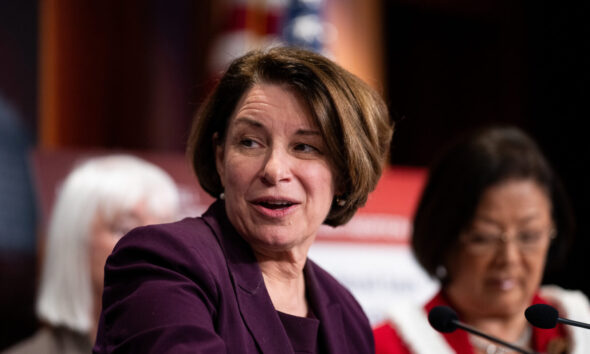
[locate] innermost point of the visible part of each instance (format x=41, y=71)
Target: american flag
x=251, y=24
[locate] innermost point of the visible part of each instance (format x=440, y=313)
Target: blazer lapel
x=262, y=320
x=328, y=312
x=254, y=302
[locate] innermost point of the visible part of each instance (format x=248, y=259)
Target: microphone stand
x=493, y=339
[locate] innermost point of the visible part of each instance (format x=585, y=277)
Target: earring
x=441, y=272
x=222, y=196
x=340, y=201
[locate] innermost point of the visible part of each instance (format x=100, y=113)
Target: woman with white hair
x=99, y=201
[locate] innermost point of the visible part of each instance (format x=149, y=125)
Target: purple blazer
x=194, y=286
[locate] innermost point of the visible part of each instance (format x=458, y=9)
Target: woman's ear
x=218, y=148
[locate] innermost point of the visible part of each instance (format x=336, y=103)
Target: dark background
x=450, y=66
x=18, y=88
x=456, y=67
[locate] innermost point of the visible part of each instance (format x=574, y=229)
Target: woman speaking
x=286, y=142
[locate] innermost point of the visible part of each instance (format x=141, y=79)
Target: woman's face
x=501, y=256
x=277, y=177
x=106, y=232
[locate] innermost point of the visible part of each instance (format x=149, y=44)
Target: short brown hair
x=353, y=119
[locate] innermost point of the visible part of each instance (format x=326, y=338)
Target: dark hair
x=460, y=176
x=352, y=118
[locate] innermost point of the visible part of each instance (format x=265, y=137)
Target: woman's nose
x=509, y=250
x=276, y=167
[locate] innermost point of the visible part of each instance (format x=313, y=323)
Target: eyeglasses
x=487, y=243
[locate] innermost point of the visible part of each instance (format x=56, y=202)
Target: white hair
x=107, y=185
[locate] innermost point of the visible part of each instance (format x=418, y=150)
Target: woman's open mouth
x=274, y=208
x=275, y=204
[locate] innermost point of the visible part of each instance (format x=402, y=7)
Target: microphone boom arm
x=497, y=340
x=573, y=323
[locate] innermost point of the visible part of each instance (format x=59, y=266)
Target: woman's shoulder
x=189, y=244
x=572, y=304
x=406, y=329
x=568, y=299
x=192, y=230
x=186, y=233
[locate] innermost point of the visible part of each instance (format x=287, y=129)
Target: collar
x=459, y=340
x=332, y=333
x=254, y=302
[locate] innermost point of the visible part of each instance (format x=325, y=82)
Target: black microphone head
x=542, y=316
x=442, y=318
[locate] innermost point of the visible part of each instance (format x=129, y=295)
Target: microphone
x=445, y=319
x=545, y=316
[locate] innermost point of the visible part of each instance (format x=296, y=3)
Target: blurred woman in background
x=492, y=216
x=99, y=201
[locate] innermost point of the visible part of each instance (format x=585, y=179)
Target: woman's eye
x=306, y=148
x=249, y=143
x=482, y=238
x=529, y=237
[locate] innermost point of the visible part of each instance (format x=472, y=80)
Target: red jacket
x=387, y=340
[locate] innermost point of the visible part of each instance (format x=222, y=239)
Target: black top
x=302, y=332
